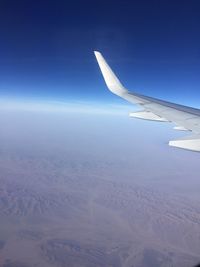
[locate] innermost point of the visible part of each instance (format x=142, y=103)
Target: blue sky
x=46, y=49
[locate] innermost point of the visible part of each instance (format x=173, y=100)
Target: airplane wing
x=185, y=118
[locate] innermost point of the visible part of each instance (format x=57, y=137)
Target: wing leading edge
x=185, y=118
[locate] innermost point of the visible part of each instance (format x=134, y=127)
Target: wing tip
x=110, y=78
x=97, y=53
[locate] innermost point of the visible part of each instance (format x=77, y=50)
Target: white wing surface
x=185, y=118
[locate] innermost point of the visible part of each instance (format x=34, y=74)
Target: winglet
x=110, y=78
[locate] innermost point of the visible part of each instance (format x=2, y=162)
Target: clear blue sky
x=46, y=48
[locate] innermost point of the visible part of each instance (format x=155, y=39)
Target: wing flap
x=147, y=115
x=189, y=143
x=180, y=128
